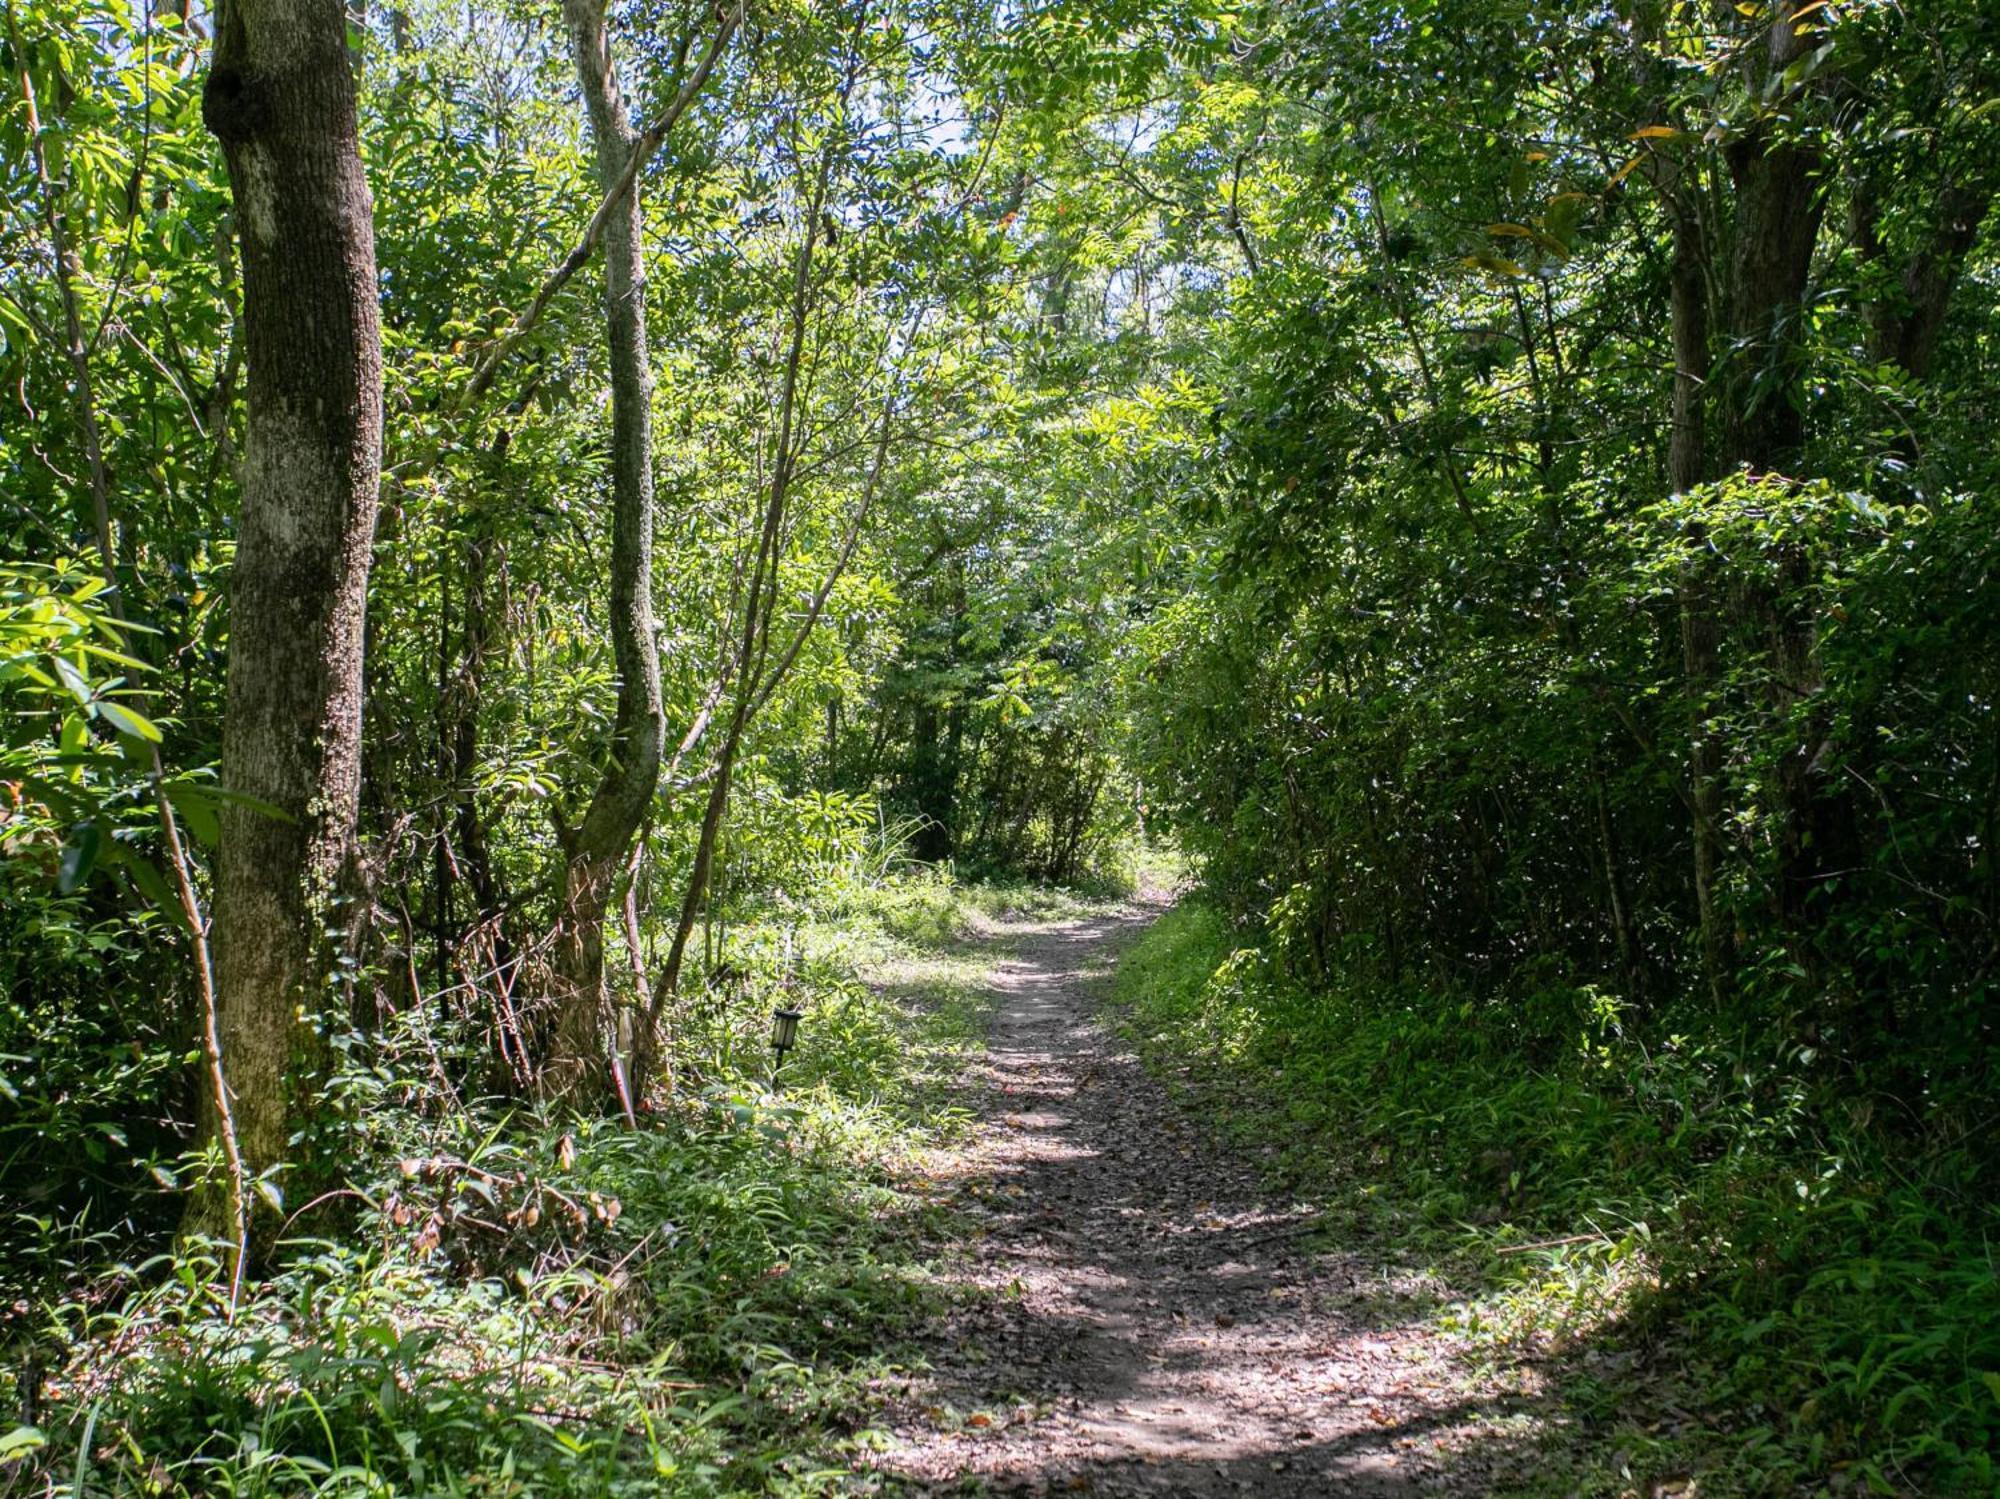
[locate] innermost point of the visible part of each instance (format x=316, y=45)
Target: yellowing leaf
x=1655, y=133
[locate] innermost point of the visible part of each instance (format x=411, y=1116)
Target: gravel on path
x=1144, y=1317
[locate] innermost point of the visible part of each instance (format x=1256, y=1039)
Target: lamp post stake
x=784, y=1036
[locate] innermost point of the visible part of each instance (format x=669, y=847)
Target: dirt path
x=1144, y=1319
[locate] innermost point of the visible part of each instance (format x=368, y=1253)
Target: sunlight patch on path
x=1140, y=1319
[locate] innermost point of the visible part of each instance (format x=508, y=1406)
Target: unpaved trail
x=1144, y=1319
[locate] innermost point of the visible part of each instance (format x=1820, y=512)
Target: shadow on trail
x=1146, y=1319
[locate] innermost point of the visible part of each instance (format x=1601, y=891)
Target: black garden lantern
x=784, y=1036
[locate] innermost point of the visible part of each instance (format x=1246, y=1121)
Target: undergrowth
x=496, y=1300
x=1726, y=1268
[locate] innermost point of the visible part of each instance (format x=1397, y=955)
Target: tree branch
x=643, y=150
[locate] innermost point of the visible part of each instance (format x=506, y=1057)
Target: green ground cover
x=503, y=1302
x=1739, y=1277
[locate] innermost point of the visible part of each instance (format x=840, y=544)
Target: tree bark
x=1906, y=325
x=1775, y=186
x=596, y=849
x=1779, y=207
x=1778, y=214
x=1700, y=610
x=280, y=97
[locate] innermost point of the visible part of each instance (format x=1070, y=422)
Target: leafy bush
x=91, y=1043
x=1827, y=1275
x=500, y=1301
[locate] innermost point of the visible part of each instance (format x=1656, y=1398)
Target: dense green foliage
x=496, y=1296
x=1817, y=1290
x=1508, y=489
x=1489, y=617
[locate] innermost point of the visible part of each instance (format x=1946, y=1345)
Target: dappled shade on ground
x=1145, y=1316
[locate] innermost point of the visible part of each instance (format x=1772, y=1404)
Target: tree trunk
x=693, y=902
x=1624, y=934
x=1905, y=326
x=597, y=848
x=1777, y=225
x=281, y=99
x=1700, y=610
x=1776, y=187
x=1779, y=207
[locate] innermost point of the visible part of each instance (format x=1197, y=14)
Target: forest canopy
x=519, y=513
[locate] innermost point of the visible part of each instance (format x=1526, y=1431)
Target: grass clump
x=1695, y=1222
x=499, y=1300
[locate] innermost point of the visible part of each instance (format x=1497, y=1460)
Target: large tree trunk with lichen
x=281, y=99
x=596, y=849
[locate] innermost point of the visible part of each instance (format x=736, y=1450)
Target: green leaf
x=20, y=1442
x=73, y=679
x=197, y=810
x=79, y=857
x=149, y=881
x=126, y=721
x=74, y=736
